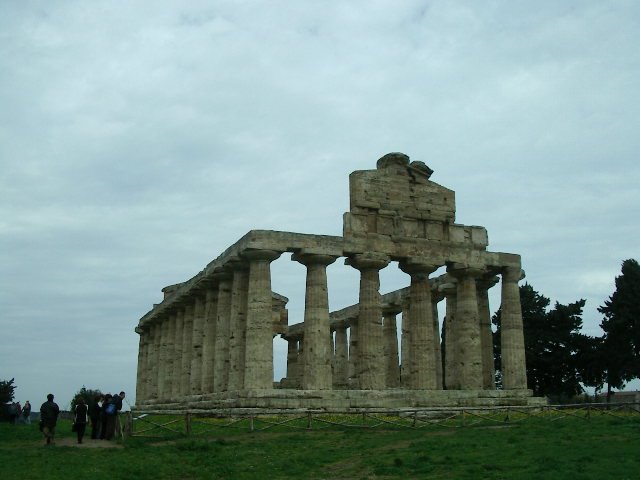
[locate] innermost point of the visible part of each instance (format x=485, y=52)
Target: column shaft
x=197, y=345
x=390, y=334
x=178, y=354
x=468, y=354
x=237, y=328
x=157, y=338
x=404, y=343
x=341, y=373
x=221, y=361
x=486, y=335
x=209, y=339
x=451, y=377
x=422, y=350
x=141, y=374
x=169, y=357
x=514, y=370
x=318, y=351
x=259, y=334
x=187, y=343
x=436, y=345
x=352, y=369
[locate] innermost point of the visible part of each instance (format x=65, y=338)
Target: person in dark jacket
x=80, y=418
x=95, y=409
x=49, y=412
x=109, y=415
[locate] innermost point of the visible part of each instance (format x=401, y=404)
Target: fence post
x=128, y=427
x=308, y=420
x=251, y=427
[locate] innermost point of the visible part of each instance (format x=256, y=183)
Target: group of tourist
x=101, y=413
x=20, y=413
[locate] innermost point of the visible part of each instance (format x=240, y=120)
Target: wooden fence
x=160, y=424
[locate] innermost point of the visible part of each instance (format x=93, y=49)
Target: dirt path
x=86, y=443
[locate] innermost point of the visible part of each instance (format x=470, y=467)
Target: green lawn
x=545, y=448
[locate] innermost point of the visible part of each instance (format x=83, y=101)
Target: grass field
x=545, y=448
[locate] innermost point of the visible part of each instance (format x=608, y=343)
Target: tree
x=619, y=351
x=553, y=344
x=89, y=396
x=7, y=389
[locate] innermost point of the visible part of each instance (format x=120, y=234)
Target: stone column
x=404, y=342
x=187, y=345
x=299, y=366
x=422, y=355
x=238, y=325
x=162, y=359
x=197, y=343
x=352, y=367
x=390, y=336
x=341, y=373
x=483, y=285
x=468, y=352
x=168, y=340
x=178, y=354
x=318, y=352
x=370, y=365
x=436, y=343
x=143, y=341
x=292, y=363
x=221, y=360
x=208, y=342
x=259, y=341
x=451, y=377
x=154, y=360
x=514, y=370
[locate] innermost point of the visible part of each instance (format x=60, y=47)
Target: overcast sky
x=138, y=140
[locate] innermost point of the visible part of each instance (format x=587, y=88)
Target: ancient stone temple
x=209, y=344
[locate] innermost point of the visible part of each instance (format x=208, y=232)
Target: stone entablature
x=213, y=333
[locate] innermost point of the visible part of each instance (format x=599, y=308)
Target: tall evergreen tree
x=87, y=394
x=552, y=344
x=7, y=389
x=620, y=344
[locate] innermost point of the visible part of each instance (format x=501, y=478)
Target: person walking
x=26, y=412
x=49, y=412
x=95, y=408
x=80, y=419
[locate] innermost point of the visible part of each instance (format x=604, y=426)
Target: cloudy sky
x=138, y=142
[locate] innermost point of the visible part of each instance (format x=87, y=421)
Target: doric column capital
x=260, y=254
x=368, y=261
x=512, y=274
x=309, y=258
x=236, y=264
x=391, y=310
x=222, y=276
x=487, y=281
x=420, y=267
x=458, y=271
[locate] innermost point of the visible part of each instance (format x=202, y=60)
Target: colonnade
x=365, y=345
x=219, y=337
